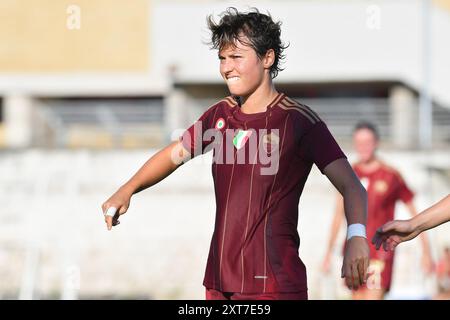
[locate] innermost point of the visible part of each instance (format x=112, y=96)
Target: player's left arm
x=427, y=261
x=356, y=257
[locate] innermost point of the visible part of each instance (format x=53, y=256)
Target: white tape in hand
x=111, y=211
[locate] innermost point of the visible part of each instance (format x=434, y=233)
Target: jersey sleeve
x=320, y=147
x=192, y=138
x=404, y=193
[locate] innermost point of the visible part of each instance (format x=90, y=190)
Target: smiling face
x=365, y=143
x=242, y=69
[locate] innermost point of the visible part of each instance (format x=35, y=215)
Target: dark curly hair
x=261, y=31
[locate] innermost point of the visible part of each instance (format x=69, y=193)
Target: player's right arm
x=163, y=163
x=158, y=167
x=395, y=232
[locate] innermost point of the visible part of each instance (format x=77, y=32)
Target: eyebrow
x=231, y=54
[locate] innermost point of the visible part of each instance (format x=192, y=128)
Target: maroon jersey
x=385, y=186
x=254, y=247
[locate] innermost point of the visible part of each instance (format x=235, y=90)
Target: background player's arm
x=356, y=257
x=158, y=167
x=395, y=232
x=427, y=261
x=338, y=217
x=433, y=216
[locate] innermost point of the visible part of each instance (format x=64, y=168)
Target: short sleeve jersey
x=260, y=165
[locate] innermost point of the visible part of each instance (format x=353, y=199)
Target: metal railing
x=111, y=122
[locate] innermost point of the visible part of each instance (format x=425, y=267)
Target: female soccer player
x=392, y=233
x=385, y=187
x=264, y=145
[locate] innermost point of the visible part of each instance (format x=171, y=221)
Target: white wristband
x=111, y=212
x=356, y=230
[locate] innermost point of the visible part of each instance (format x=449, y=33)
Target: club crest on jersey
x=270, y=141
x=241, y=138
x=220, y=124
x=380, y=186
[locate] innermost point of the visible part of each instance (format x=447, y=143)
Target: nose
x=226, y=66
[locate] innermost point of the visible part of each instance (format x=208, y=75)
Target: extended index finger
x=109, y=215
x=347, y=274
x=366, y=269
x=361, y=271
x=355, y=275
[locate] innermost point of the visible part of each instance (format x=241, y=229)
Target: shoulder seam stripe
x=303, y=112
x=277, y=100
x=291, y=103
x=309, y=111
x=231, y=99
x=303, y=107
x=231, y=102
x=312, y=111
x=227, y=102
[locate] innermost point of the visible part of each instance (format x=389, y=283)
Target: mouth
x=232, y=79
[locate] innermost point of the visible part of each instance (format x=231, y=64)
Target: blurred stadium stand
x=81, y=110
x=352, y=69
x=101, y=123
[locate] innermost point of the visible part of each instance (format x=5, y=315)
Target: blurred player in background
x=254, y=247
x=392, y=233
x=443, y=275
x=395, y=232
x=385, y=186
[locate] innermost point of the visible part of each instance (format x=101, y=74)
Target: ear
x=269, y=58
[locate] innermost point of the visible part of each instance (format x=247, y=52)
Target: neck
x=370, y=165
x=259, y=99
